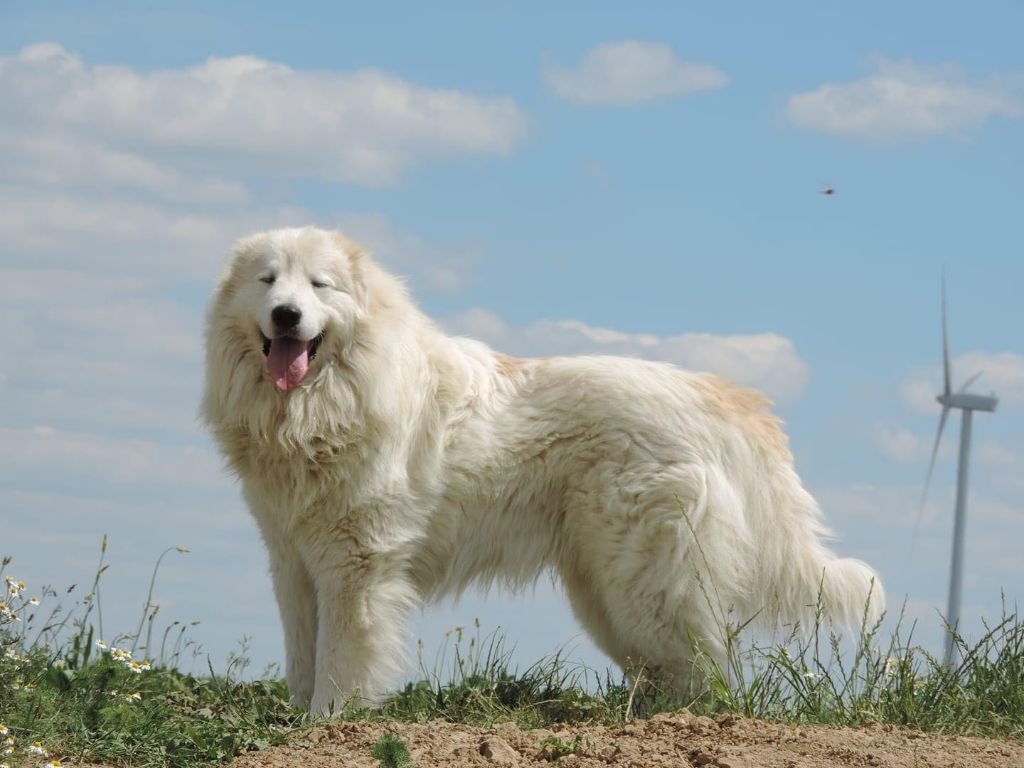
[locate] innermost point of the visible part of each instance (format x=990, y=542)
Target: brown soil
x=664, y=740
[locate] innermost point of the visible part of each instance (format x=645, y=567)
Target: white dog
x=387, y=463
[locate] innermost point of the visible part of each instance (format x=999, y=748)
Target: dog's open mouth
x=288, y=359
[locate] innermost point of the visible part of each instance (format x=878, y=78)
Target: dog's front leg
x=363, y=606
x=296, y=601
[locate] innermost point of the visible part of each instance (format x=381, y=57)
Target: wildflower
x=3, y=730
x=30, y=686
x=8, y=742
x=132, y=697
x=135, y=667
x=810, y=674
x=37, y=749
x=59, y=664
x=101, y=645
x=181, y=549
x=5, y=765
x=54, y=764
x=33, y=600
x=891, y=665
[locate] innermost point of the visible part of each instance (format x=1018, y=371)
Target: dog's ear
x=356, y=261
x=241, y=252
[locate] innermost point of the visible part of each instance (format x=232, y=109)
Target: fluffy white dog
x=387, y=463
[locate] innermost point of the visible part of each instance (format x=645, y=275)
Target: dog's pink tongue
x=288, y=362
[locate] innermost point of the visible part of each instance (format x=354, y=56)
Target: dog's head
x=286, y=297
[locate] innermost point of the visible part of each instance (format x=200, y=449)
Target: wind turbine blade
x=970, y=381
x=931, y=468
x=945, y=341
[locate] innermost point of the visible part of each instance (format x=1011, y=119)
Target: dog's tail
x=810, y=581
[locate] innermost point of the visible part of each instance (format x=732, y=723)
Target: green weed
x=554, y=748
x=391, y=750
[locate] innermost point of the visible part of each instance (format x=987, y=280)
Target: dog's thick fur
x=406, y=464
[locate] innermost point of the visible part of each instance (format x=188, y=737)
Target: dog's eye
x=269, y=279
x=320, y=284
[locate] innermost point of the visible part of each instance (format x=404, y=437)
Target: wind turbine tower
x=967, y=403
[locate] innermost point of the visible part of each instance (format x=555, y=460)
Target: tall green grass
x=123, y=700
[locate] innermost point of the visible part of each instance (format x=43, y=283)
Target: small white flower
x=891, y=666
x=101, y=645
x=33, y=600
x=3, y=730
x=37, y=749
x=54, y=764
x=59, y=664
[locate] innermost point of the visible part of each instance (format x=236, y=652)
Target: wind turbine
x=968, y=403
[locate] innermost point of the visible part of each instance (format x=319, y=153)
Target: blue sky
x=586, y=178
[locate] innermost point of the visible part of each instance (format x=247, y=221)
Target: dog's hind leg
x=647, y=575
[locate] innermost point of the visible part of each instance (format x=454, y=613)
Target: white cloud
x=767, y=361
x=1002, y=373
x=995, y=453
x=100, y=232
x=900, y=444
x=254, y=116
x=865, y=505
x=69, y=161
x=902, y=100
x=98, y=353
x=34, y=455
x=630, y=72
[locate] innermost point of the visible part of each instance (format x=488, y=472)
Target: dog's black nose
x=286, y=316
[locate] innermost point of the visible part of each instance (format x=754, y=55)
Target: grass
x=68, y=692
x=391, y=750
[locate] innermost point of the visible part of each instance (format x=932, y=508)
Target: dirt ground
x=664, y=740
